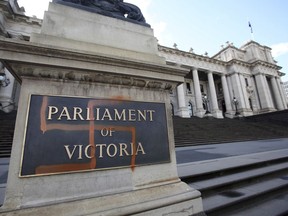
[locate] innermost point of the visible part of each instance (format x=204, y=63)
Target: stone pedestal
x=76, y=56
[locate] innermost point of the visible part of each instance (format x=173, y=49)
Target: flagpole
x=251, y=31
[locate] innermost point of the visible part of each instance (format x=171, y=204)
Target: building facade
x=243, y=81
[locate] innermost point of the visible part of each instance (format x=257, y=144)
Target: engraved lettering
x=70, y=154
x=140, y=149
x=97, y=114
x=109, y=150
x=86, y=152
x=52, y=110
x=151, y=112
x=101, y=149
x=107, y=115
x=64, y=113
x=131, y=115
x=77, y=112
x=123, y=148
x=120, y=117
x=142, y=114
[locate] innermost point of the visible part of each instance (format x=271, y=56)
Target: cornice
x=238, y=62
x=255, y=43
x=226, y=48
x=28, y=20
x=48, y=51
x=21, y=54
x=265, y=64
x=189, y=55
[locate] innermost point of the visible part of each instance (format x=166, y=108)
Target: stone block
x=72, y=28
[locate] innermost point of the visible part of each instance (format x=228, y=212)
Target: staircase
x=278, y=118
x=6, y=132
x=197, y=131
x=246, y=185
x=252, y=185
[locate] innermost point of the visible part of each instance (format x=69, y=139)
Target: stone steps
x=218, y=204
x=221, y=181
x=229, y=185
x=197, y=131
x=6, y=133
x=272, y=205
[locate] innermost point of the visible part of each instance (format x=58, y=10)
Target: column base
x=266, y=110
x=200, y=113
x=247, y=112
x=217, y=114
x=229, y=114
x=183, y=112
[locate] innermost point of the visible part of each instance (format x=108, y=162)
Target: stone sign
x=94, y=130
x=69, y=134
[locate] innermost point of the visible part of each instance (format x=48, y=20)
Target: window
x=219, y=88
x=188, y=87
x=202, y=88
x=246, y=81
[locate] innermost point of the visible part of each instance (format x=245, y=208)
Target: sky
x=205, y=25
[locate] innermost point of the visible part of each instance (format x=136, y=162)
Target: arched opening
x=250, y=104
x=223, y=108
x=172, y=108
x=190, y=108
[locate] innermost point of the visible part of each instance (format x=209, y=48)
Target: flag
x=250, y=27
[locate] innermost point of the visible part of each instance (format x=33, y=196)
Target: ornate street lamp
x=236, y=102
x=4, y=81
x=205, y=100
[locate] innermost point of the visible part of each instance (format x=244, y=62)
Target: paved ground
x=215, y=151
x=223, y=152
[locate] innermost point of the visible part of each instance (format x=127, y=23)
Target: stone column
x=247, y=111
x=262, y=87
x=269, y=93
x=182, y=108
x=255, y=99
x=277, y=94
x=198, y=97
x=215, y=109
x=237, y=90
x=227, y=97
x=283, y=96
x=246, y=104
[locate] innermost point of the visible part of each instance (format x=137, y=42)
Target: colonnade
x=234, y=86
x=270, y=101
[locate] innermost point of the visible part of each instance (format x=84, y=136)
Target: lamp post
x=205, y=100
x=4, y=81
x=236, y=102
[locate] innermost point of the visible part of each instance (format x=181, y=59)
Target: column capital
x=258, y=73
x=233, y=72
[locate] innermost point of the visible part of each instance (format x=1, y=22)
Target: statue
x=113, y=8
